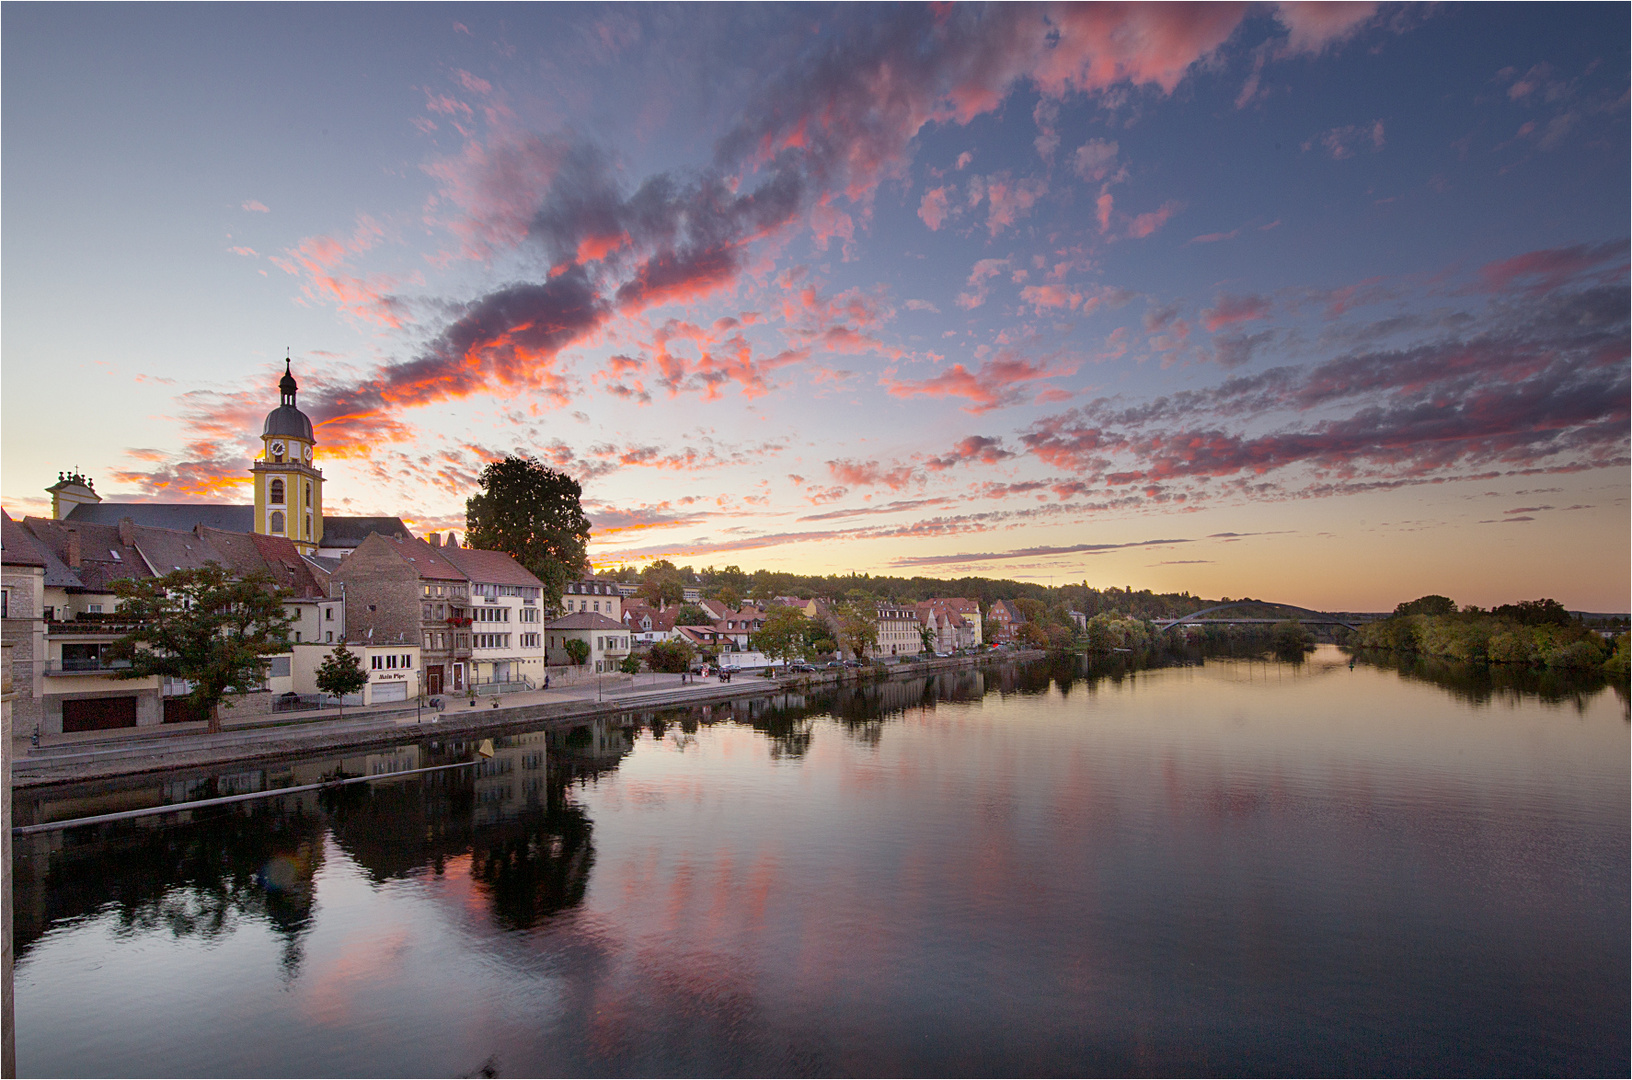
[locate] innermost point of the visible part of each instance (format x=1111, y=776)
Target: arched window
x=308, y=526
x=277, y=491
x=277, y=522
x=308, y=495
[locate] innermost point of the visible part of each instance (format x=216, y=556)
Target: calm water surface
x=1238, y=867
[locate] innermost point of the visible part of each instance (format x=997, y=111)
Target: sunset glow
x=1325, y=303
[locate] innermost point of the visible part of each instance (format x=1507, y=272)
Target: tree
x=1432, y=604
x=692, y=615
x=577, y=649
x=531, y=513
x=728, y=596
x=660, y=584
x=926, y=634
x=858, y=627
x=629, y=665
x=203, y=626
x=671, y=656
x=1535, y=613
x=784, y=633
x=341, y=673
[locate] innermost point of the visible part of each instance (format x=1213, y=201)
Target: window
x=408, y=660
x=308, y=495
x=5, y=603
x=328, y=636
x=308, y=526
x=328, y=613
x=95, y=609
x=277, y=667
x=374, y=662
x=276, y=526
x=597, y=605
x=297, y=635
x=275, y=493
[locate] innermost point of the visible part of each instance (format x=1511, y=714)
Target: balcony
x=85, y=665
x=91, y=625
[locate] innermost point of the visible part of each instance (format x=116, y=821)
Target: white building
x=608, y=641
x=507, y=618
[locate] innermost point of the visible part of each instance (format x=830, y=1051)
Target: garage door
x=390, y=691
x=99, y=714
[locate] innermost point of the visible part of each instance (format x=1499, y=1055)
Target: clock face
x=277, y=448
x=308, y=452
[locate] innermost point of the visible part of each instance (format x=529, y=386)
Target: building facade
x=507, y=618
x=403, y=591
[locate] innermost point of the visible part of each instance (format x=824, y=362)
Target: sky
x=1325, y=304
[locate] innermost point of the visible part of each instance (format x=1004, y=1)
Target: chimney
x=435, y=539
x=73, y=549
x=127, y=532
x=453, y=540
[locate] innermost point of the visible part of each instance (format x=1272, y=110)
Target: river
x=1236, y=866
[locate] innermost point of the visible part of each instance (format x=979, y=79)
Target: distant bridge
x=1318, y=618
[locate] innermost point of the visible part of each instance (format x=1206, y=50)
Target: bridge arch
x=1318, y=615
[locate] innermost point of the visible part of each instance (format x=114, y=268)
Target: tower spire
x=287, y=385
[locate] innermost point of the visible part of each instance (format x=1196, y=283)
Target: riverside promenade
x=96, y=755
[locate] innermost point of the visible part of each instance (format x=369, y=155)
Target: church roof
x=290, y=422
x=286, y=419
x=352, y=531
x=183, y=516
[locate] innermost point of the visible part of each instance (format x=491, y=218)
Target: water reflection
x=1480, y=684
x=1123, y=863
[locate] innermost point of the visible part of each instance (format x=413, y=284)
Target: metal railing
x=515, y=686
x=85, y=666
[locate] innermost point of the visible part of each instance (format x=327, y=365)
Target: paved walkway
x=242, y=731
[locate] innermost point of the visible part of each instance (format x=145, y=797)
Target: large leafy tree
x=204, y=626
x=784, y=635
x=532, y=513
x=660, y=584
x=341, y=673
x=858, y=626
x=692, y=615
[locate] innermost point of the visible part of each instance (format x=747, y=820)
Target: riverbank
x=84, y=759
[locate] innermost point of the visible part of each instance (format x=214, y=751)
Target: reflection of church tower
x=288, y=490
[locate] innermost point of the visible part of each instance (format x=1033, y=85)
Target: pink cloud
x=1341, y=142
x=1094, y=159
x=993, y=385
x=1550, y=269
x=1315, y=26
x=1102, y=211
x=979, y=277
x=1233, y=309
x=1145, y=224
x=933, y=208
x=974, y=448
x=255, y=206
x=1009, y=200
x=870, y=474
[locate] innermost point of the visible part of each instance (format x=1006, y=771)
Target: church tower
x=288, y=490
